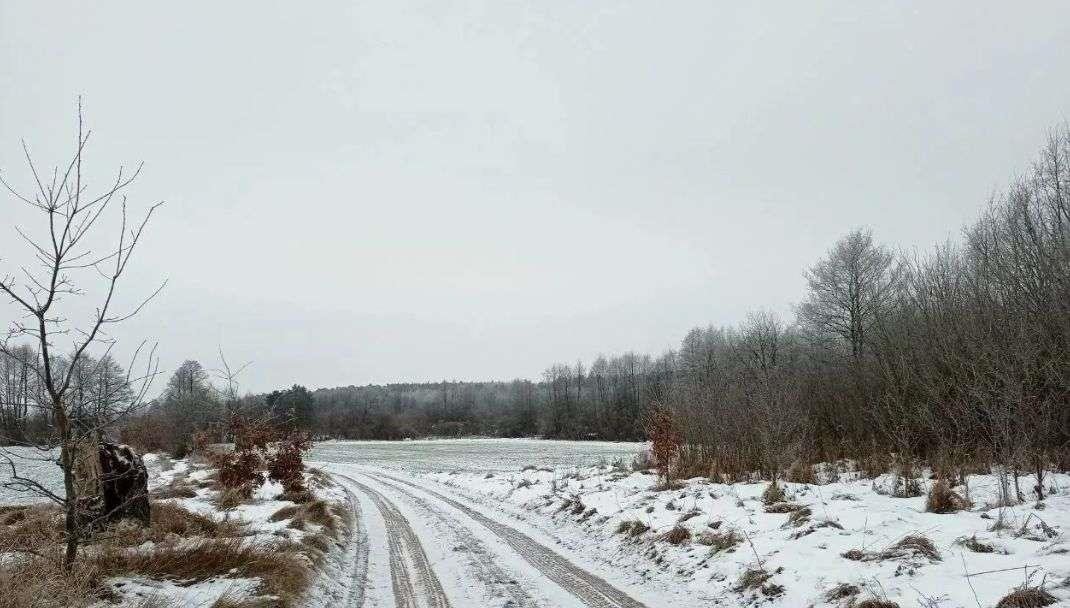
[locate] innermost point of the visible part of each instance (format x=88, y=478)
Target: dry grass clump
x=971, y=543
x=33, y=581
x=942, y=499
x=799, y=517
x=801, y=472
x=678, y=535
x=720, y=541
x=31, y=527
x=842, y=592
x=774, y=494
x=229, y=498
x=299, y=496
x=1027, y=597
x=281, y=568
x=632, y=527
x=752, y=578
x=316, y=512
x=783, y=507
x=910, y=545
x=875, y=603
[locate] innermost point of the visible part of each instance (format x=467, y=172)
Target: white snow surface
x=806, y=560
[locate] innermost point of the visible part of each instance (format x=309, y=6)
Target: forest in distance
x=945, y=355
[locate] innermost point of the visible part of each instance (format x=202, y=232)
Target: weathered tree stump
x=124, y=483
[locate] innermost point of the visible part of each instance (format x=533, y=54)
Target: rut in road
x=355, y=598
x=416, y=587
x=482, y=561
x=591, y=589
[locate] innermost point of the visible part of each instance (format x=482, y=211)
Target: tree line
x=954, y=357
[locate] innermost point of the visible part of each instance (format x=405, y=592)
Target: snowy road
x=428, y=548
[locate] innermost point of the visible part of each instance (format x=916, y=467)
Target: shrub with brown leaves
x=285, y=464
x=942, y=499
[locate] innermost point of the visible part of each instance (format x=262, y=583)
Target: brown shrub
x=665, y=439
x=1027, y=597
x=678, y=535
x=875, y=603
x=942, y=499
x=285, y=464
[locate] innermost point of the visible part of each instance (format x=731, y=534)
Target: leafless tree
x=849, y=290
x=64, y=263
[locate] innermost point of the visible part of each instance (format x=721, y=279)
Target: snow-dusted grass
x=819, y=547
x=194, y=554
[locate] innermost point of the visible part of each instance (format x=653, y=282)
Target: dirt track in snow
x=414, y=580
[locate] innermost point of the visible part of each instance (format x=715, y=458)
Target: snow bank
x=800, y=546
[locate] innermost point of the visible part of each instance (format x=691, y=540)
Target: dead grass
x=678, y=535
x=782, y=507
x=31, y=527
x=315, y=512
x=632, y=527
x=971, y=543
x=842, y=592
x=799, y=517
x=1027, y=597
x=875, y=603
x=720, y=541
x=281, y=569
x=228, y=498
x=911, y=545
x=40, y=582
x=752, y=578
x=942, y=499
x=774, y=494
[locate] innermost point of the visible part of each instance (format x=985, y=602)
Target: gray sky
x=377, y=191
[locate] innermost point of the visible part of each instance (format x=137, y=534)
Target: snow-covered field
x=825, y=545
x=32, y=464
x=584, y=508
x=474, y=455
x=41, y=467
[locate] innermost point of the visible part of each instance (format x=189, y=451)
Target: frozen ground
x=499, y=523
x=473, y=455
x=32, y=464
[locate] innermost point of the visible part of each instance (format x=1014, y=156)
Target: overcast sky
x=379, y=191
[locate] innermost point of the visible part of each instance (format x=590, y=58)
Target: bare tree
x=64, y=263
x=849, y=289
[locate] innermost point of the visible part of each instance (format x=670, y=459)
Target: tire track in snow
x=591, y=589
x=482, y=560
x=355, y=598
x=415, y=583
